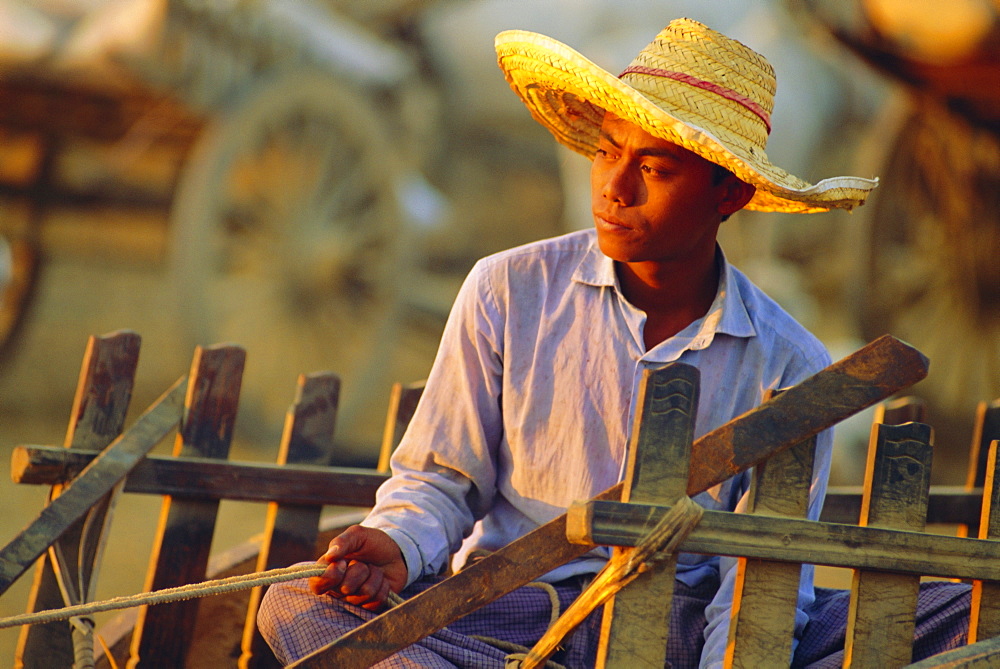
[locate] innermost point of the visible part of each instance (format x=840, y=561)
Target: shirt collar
x=727, y=315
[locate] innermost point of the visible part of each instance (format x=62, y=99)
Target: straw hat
x=691, y=86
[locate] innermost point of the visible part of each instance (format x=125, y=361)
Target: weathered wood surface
x=861, y=379
x=103, y=473
x=984, y=621
x=880, y=621
x=163, y=633
x=346, y=486
x=762, y=620
x=986, y=429
x=804, y=541
x=205, y=479
x=290, y=530
x=403, y=399
x=632, y=632
x=102, y=399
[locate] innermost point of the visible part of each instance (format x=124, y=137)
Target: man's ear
x=735, y=195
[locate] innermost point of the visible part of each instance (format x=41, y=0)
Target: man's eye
x=652, y=171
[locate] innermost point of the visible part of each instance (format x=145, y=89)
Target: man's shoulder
x=774, y=325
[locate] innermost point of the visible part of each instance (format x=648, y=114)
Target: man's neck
x=672, y=296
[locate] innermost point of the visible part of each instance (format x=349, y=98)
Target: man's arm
x=365, y=564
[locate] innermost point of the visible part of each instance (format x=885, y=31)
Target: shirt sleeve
x=444, y=470
x=718, y=611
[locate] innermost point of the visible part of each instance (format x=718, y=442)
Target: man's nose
x=619, y=186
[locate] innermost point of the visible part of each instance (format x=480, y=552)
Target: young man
x=529, y=404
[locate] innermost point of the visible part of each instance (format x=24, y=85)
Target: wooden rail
x=198, y=475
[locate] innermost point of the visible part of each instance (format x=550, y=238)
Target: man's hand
x=364, y=565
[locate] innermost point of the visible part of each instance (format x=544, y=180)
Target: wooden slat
x=985, y=619
x=611, y=523
x=199, y=478
x=880, y=619
x=102, y=399
x=861, y=379
x=93, y=483
x=291, y=530
x=762, y=621
x=347, y=486
x=163, y=633
x=633, y=631
x=876, y=371
x=947, y=504
x=986, y=429
x=403, y=401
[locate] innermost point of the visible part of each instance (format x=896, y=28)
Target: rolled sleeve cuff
x=411, y=553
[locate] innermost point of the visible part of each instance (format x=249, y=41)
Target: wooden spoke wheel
x=933, y=277
x=287, y=240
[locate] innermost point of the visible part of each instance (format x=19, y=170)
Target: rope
x=656, y=547
x=215, y=587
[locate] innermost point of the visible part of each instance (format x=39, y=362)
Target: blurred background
x=311, y=179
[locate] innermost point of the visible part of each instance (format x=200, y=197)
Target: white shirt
x=529, y=406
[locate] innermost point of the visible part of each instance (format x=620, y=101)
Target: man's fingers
x=330, y=579
x=355, y=577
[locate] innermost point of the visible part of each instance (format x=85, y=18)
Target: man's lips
x=612, y=222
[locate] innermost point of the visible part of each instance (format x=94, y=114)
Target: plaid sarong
x=295, y=623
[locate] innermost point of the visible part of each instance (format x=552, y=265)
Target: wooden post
x=881, y=616
x=163, y=633
x=856, y=382
x=402, y=403
x=762, y=622
x=290, y=531
x=984, y=622
x=97, y=418
x=985, y=430
x=636, y=621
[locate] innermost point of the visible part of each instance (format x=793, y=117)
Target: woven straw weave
x=723, y=116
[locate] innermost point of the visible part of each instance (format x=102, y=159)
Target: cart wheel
x=286, y=239
x=932, y=272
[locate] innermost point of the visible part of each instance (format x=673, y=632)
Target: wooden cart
x=878, y=531
x=265, y=147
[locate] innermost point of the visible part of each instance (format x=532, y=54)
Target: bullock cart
x=263, y=152
x=877, y=530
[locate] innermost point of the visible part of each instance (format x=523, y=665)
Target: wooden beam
x=863, y=378
x=349, y=486
x=162, y=634
x=765, y=593
x=793, y=540
x=290, y=530
x=94, y=482
x=984, y=621
x=631, y=630
x=103, y=395
x=880, y=620
x=199, y=478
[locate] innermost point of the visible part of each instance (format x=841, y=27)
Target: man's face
x=653, y=200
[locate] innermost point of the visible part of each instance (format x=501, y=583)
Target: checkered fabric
x=942, y=623
x=295, y=623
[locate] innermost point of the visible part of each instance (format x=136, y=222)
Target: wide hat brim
x=569, y=95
